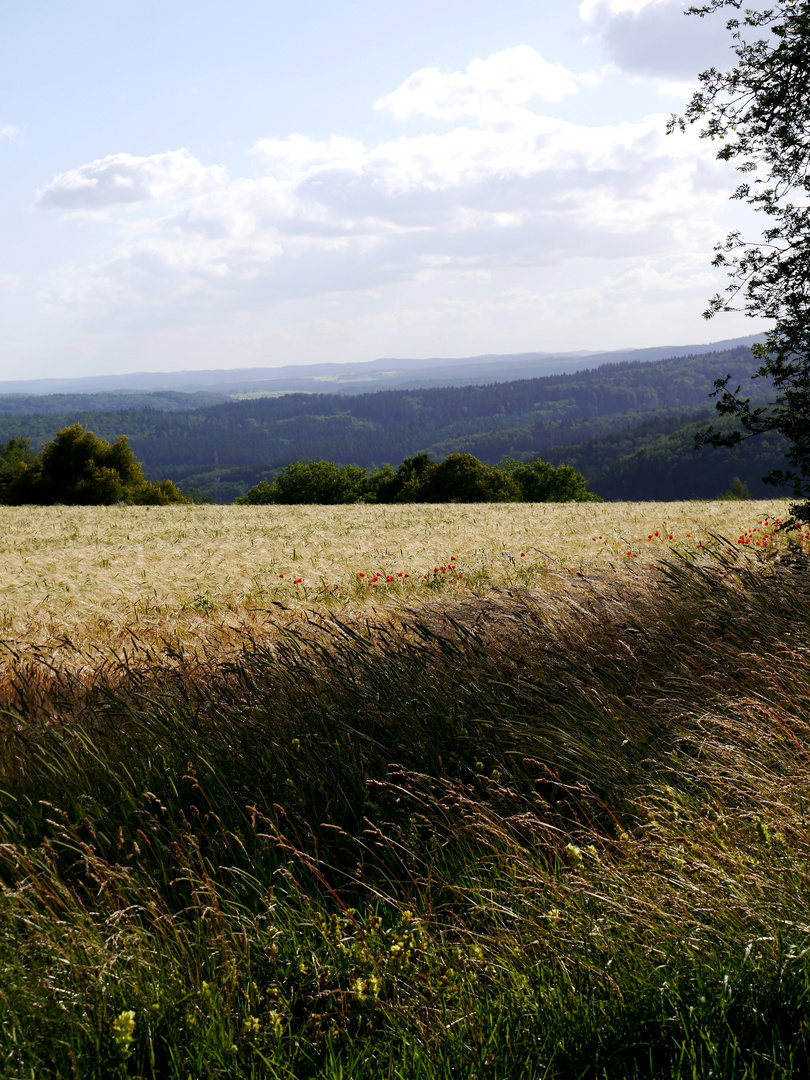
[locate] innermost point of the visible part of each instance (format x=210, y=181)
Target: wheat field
x=535, y=809
x=95, y=575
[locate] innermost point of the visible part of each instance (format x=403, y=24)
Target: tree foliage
x=78, y=468
x=459, y=478
x=760, y=112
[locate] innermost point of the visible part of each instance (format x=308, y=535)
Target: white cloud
x=294, y=156
x=488, y=87
x=337, y=217
x=9, y=131
x=122, y=179
x=655, y=39
x=595, y=10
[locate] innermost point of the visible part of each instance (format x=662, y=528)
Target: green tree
x=541, y=482
x=312, y=482
x=759, y=111
x=460, y=478
x=18, y=464
x=78, y=468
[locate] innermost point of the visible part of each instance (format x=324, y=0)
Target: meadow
x=539, y=809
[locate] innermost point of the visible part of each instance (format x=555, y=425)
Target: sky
x=190, y=185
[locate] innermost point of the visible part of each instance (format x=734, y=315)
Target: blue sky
x=198, y=185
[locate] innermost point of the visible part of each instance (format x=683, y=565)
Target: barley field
x=538, y=809
x=89, y=574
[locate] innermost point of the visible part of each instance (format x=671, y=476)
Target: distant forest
x=628, y=428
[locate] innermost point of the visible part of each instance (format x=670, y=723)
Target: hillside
x=350, y=378
x=223, y=449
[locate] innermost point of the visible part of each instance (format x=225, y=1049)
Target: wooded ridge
x=628, y=428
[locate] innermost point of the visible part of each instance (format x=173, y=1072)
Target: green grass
x=517, y=835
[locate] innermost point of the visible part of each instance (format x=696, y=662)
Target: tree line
x=459, y=478
x=523, y=419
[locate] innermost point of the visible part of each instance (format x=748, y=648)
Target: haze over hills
x=627, y=426
x=382, y=374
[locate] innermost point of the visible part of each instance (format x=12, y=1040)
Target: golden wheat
x=89, y=574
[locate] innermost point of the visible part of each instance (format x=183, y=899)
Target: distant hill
x=384, y=374
x=107, y=401
x=606, y=421
x=657, y=460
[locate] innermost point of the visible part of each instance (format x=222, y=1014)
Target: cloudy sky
x=199, y=184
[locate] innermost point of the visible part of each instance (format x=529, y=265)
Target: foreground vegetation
x=516, y=833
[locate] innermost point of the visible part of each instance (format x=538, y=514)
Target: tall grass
x=509, y=835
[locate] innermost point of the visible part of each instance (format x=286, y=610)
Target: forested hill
x=247, y=440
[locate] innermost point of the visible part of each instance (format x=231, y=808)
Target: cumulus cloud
x=8, y=131
x=488, y=87
x=654, y=38
x=495, y=195
x=122, y=179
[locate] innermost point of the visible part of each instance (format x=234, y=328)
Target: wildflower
x=361, y=574
x=281, y=575
x=297, y=581
x=523, y=554
x=123, y=1031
